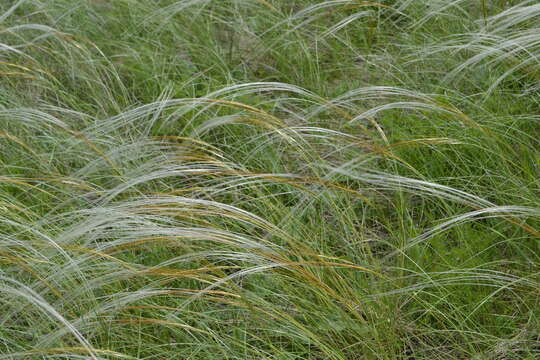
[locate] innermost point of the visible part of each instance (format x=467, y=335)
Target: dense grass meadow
x=270, y=179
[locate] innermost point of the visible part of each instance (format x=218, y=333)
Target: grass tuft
x=265, y=179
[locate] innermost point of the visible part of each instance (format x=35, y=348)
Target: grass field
x=270, y=179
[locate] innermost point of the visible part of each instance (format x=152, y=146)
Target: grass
x=265, y=179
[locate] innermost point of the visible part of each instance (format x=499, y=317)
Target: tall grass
x=265, y=179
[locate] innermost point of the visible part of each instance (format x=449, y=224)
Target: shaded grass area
x=264, y=179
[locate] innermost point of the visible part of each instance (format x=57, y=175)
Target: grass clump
x=265, y=179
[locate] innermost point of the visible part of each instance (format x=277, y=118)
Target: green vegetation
x=270, y=179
